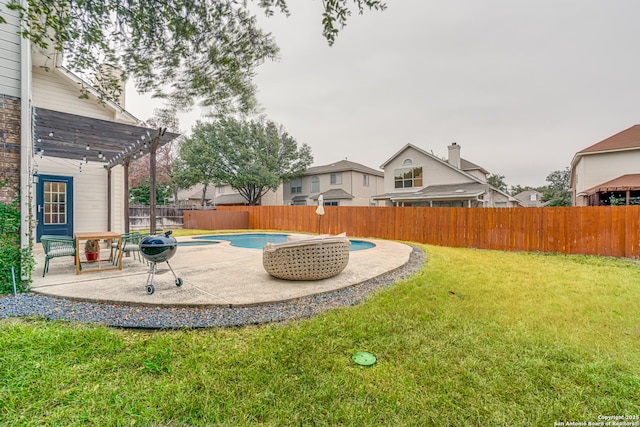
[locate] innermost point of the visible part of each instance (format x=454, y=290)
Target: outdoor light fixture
x=85, y=159
x=88, y=148
x=99, y=154
x=50, y=134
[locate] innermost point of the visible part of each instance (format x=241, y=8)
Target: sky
x=520, y=85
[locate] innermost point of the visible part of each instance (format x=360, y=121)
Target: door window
x=55, y=203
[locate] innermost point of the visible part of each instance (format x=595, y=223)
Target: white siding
x=117, y=199
x=595, y=169
x=362, y=195
x=89, y=192
x=9, y=53
x=433, y=171
x=274, y=198
x=54, y=91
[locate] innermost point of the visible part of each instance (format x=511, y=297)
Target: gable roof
x=465, y=165
x=342, y=166
x=77, y=81
x=625, y=140
x=336, y=193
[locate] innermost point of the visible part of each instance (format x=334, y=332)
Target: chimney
x=454, y=155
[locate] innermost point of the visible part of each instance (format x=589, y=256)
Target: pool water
x=258, y=240
x=197, y=243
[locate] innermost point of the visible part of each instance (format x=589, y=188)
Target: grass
x=475, y=338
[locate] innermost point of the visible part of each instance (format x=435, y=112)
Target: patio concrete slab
x=213, y=275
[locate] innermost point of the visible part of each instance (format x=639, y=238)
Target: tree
x=497, y=181
x=140, y=195
x=199, y=49
x=166, y=154
x=195, y=165
x=557, y=192
x=253, y=157
x=517, y=189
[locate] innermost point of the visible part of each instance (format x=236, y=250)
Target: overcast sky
x=520, y=85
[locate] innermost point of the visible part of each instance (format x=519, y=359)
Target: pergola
x=74, y=137
x=625, y=188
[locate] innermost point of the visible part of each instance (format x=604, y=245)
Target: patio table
x=98, y=235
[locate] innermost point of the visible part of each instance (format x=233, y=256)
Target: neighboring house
x=217, y=195
x=70, y=155
x=192, y=196
x=530, y=199
x=608, y=173
x=414, y=177
x=343, y=183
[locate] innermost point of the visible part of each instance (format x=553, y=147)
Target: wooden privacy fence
x=166, y=216
x=216, y=220
x=598, y=230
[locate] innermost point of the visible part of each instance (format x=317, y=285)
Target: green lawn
x=475, y=338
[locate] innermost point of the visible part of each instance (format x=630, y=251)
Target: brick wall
x=9, y=147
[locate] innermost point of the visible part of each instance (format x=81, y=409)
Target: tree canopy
x=497, y=181
x=183, y=50
x=253, y=157
x=557, y=193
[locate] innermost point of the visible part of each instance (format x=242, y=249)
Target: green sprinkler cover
x=364, y=358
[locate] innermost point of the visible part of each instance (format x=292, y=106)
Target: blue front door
x=54, y=205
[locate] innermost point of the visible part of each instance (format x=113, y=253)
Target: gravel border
x=146, y=317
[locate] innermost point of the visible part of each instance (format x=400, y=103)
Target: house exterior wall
x=363, y=194
x=90, y=192
x=593, y=169
x=433, y=172
x=9, y=52
x=10, y=104
x=53, y=92
x=352, y=183
x=274, y=198
x=10, y=152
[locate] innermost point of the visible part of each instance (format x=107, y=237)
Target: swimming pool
x=258, y=240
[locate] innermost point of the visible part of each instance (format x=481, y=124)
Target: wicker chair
x=309, y=259
x=57, y=246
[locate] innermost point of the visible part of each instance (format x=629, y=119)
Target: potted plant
x=92, y=249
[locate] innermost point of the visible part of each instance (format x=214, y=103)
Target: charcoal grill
x=158, y=248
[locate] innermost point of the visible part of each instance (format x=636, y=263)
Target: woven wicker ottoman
x=309, y=259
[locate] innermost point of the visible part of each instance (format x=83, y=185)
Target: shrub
x=10, y=253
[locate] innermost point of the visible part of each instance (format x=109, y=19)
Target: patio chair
x=130, y=244
x=308, y=259
x=57, y=246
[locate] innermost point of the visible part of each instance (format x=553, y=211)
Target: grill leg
x=174, y=274
x=152, y=273
x=178, y=279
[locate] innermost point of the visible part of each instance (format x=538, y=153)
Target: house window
x=336, y=179
x=332, y=203
x=408, y=177
x=315, y=184
x=296, y=186
x=407, y=162
x=365, y=180
x=220, y=189
x=533, y=197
